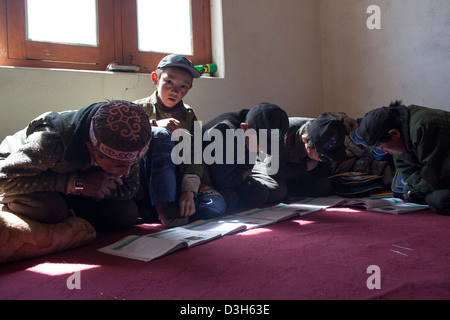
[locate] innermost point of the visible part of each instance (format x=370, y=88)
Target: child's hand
x=170, y=124
x=98, y=183
x=187, y=204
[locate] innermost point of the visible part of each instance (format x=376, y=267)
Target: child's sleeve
x=190, y=182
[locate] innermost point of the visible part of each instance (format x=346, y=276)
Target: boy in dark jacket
x=243, y=135
x=311, y=147
x=419, y=139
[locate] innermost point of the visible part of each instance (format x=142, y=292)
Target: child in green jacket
x=419, y=139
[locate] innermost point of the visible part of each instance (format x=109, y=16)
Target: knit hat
x=121, y=131
x=269, y=117
x=327, y=135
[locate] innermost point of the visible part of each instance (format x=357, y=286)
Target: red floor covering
x=324, y=255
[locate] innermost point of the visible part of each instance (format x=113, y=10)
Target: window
x=90, y=34
x=152, y=39
x=58, y=21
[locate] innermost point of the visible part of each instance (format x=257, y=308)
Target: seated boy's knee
x=55, y=212
x=161, y=133
x=439, y=201
x=161, y=145
x=253, y=192
x=210, y=204
x=46, y=211
x=278, y=194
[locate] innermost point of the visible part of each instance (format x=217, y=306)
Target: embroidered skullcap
x=121, y=131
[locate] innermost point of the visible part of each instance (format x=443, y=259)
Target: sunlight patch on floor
x=57, y=269
x=344, y=210
x=253, y=232
x=303, y=222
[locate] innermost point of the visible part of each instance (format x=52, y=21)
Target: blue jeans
x=157, y=171
x=209, y=204
x=158, y=175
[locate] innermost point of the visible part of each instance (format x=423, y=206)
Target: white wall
x=27, y=92
x=408, y=58
x=271, y=53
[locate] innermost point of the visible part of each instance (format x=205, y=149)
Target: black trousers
x=312, y=184
x=439, y=201
x=52, y=207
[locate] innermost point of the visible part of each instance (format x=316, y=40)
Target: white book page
x=142, y=248
x=189, y=236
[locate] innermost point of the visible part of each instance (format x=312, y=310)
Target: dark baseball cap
x=328, y=134
x=375, y=124
x=175, y=60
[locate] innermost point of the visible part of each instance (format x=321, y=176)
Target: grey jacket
x=41, y=157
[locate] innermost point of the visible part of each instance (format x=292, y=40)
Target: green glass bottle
x=206, y=68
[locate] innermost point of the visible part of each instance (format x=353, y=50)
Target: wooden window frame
x=117, y=39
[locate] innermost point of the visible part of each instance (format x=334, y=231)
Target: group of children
x=113, y=163
x=243, y=174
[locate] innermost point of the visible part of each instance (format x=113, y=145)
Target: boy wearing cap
x=310, y=149
x=234, y=179
x=418, y=137
x=175, y=202
x=85, y=160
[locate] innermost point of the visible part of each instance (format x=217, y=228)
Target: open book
x=260, y=217
x=155, y=245
x=386, y=205
x=244, y=220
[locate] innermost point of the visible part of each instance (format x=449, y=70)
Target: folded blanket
x=21, y=238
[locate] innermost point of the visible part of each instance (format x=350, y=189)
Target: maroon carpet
x=325, y=255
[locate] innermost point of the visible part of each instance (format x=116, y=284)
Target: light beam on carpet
x=303, y=222
x=57, y=269
x=252, y=232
